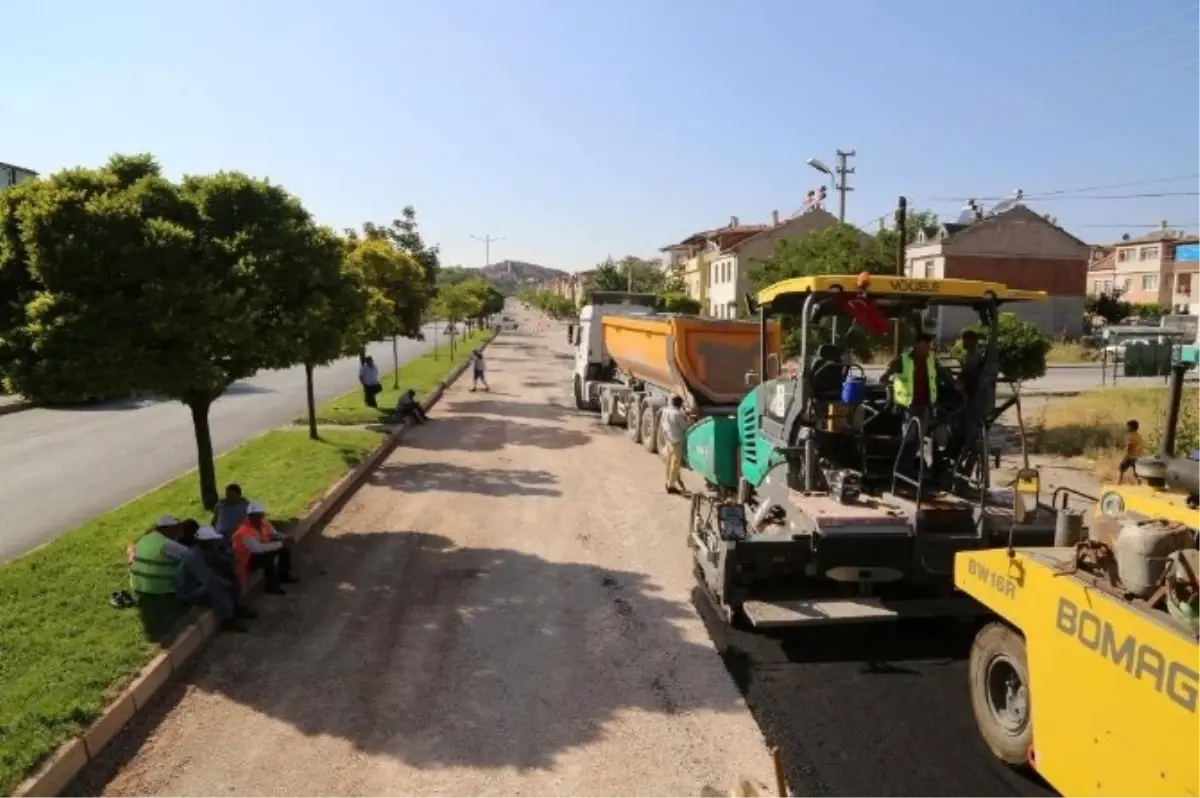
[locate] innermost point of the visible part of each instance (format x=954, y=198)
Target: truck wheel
x=999, y=675
x=650, y=429
x=633, y=418
x=580, y=401
x=606, y=408
x=662, y=440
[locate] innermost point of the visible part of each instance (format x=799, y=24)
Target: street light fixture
x=841, y=170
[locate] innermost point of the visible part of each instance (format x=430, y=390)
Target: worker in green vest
x=154, y=559
x=914, y=377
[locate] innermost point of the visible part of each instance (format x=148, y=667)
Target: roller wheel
x=999, y=674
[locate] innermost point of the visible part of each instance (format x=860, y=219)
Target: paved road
x=60, y=467
x=508, y=609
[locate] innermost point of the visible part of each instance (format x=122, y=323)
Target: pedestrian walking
x=368, y=375
x=674, y=423
x=477, y=371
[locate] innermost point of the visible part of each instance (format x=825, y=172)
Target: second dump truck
x=630, y=360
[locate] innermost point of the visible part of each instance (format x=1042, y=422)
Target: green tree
x=128, y=282
x=837, y=249
x=394, y=282
x=410, y=298
x=647, y=276
x=1109, y=307
x=1021, y=347
x=452, y=275
x=674, y=302
x=456, y=304
x=329, y=302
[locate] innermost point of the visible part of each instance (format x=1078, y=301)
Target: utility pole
x=487, y=246
x=841, y=173
x=901, y=256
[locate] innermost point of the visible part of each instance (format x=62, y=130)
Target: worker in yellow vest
x=914, y=377
x=154, y=558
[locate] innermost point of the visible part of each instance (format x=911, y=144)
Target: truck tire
x=633, y=418
x=999, y=681
x=581, y=402
x=608, y=409
x=650, y=428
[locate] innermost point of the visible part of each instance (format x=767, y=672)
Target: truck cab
x=593, y=364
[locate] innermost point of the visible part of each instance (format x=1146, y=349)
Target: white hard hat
x=255, y=508
x=166, y=521
x=207, y=533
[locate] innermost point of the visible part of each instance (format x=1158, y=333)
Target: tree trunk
x=312, y=402
x=204, y=451
x=395, y=363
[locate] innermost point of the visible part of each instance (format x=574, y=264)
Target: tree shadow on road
x=440, y=656
x=535, y=410
x=483, y=434
x=432, y=476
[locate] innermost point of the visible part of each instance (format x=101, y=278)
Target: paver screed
x=504, y=609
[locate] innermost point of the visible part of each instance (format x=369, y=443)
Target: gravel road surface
x=508, y=608
x=504, y=610
x=59, y=468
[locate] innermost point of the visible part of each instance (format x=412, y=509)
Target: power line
x=1048, y=197
x=1150, y=225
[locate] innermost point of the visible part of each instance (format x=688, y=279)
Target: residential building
x=1158, y=268
x=692, y=258
x=1017, y=247
x=730, y=269
x=11, y=175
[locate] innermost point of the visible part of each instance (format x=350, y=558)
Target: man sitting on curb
x=230, y=512
x=154, y=558
x=256, y=545
x=409, y=409
x=197, y=583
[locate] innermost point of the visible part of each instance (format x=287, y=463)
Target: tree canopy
x=116, y=281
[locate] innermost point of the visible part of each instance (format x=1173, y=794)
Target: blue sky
x=578, y=129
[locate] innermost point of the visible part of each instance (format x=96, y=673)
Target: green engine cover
x=757, y=453
x=711, y=450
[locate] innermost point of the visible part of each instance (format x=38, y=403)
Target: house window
x=1149, y=282
x=1095, y=286
x=1183, y=284
x=731, y=310
x=1108, y=286
x=1125, y=255
x=1127, y=284
x=929, y=268
x=715, y=273
x=1148, y=253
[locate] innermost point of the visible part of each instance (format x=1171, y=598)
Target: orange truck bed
x=706, y=357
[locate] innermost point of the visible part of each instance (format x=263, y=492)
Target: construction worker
x=256, y=545
x=154, y=558
x=914, y=377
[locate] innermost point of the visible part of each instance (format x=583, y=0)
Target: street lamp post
x=487, y=246
x=837, y=177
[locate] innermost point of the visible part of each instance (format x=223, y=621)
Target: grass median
x=64, y=652
x=421, y=374
x=1092, y=425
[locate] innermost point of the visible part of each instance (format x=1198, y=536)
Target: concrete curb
x=199, y=627
x=16, y=407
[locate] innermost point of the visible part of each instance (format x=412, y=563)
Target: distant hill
x=511, y=275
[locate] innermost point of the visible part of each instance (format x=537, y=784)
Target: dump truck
x=629, y=362
x=1088, y=672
